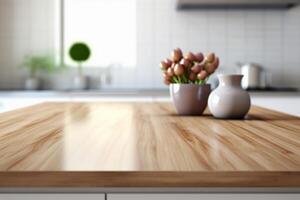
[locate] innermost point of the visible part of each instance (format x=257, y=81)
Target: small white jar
x=32, y=84
x=229, y=100
x=80, y=82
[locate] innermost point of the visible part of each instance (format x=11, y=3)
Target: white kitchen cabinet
x=44, y=196
x=219, y=196
x=282, y=103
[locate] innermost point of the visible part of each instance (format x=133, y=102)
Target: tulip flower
x=210, y=57
x=170, y=71
x=163, y=65
x=168, y=62
x=167, y=82
x=190, y=56
x=190, y=69
x=216, y=63
x=185, y=62
x=166, y=76
x=176, y=55
x=202, y=75
x=199, y=57
x=210, y=68
x=179, y=70
x=192, y=76
x=197, y=68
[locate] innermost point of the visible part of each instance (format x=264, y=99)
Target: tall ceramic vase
x=229, y=100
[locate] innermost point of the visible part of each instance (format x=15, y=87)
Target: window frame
x=61, y=5
x=61, y=37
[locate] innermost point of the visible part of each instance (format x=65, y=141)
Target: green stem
x=33, y=72
x=174, y=79
x=179, y=79
x=79, y=68
x=184, y=79
x=199, y=82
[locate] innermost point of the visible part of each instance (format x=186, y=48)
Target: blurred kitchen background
x=129, y=38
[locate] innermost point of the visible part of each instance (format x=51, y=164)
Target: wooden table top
x=145, y=145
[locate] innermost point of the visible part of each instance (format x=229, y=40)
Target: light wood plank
x=146, y=139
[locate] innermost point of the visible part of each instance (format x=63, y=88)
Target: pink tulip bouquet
x=189, y=69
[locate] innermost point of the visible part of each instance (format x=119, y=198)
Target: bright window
x=107, y=26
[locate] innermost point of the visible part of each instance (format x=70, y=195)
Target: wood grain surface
x=145, y=145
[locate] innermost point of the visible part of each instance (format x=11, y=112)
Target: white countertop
x=287, y=102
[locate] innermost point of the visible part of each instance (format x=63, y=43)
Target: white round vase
x=229, y=100
x=32, y=84
x=80, y=82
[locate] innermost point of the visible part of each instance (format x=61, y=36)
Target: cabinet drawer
x=219, y=196
x=43, y=196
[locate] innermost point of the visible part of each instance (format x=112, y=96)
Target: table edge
x=149, y=179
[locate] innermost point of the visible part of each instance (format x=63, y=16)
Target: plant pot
x=32, y=84
x=229, y=100
x=80, y=82
x=190, y=99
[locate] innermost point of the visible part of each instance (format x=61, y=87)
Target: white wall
x=26, y=27
x=269, y=37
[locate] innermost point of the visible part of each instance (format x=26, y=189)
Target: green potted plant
x=79, y=53
x=35, y=64
x=187, y=76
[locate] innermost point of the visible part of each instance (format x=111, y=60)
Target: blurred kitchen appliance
x=254, y=75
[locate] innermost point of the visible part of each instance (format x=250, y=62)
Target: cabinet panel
x=241, y=196
x=52, y=197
